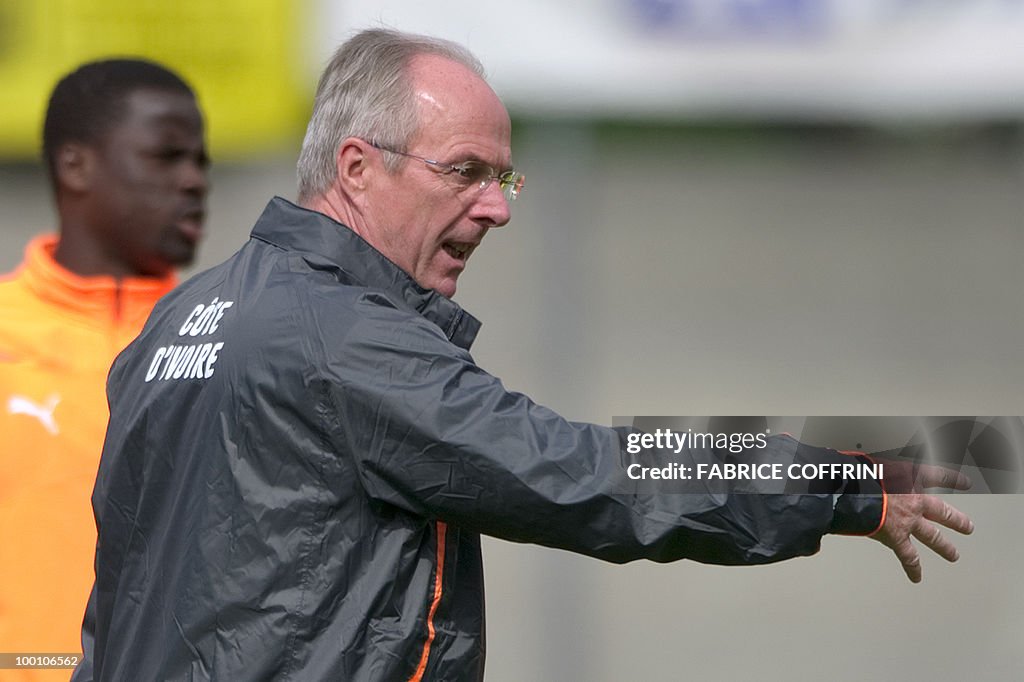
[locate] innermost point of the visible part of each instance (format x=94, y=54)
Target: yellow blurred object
x=243, y=58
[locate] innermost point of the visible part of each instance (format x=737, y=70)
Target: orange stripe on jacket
x=442, y=529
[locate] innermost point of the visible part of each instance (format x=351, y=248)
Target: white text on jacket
x=191, y=361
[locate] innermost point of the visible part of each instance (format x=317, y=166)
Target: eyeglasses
x=471, y=173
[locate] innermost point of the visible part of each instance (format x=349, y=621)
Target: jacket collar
x=294, y=228
x=95, y=297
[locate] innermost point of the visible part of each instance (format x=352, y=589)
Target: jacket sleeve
x=435, y=435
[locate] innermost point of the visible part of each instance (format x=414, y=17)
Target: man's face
x=147, y=204
x=427, y=222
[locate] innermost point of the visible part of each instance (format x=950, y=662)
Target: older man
x=303, y=455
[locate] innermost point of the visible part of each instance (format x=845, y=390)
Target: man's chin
x=446, y=287
x=179, y=253
x=167, y=262
x=441, y=280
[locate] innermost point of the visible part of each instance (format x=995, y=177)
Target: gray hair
x=365, y=92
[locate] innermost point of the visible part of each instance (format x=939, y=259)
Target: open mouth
x=457, y=251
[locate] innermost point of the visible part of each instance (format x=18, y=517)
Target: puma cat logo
x=19, y=404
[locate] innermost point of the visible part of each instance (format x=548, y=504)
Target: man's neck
x=84, y=256
x=335, y=207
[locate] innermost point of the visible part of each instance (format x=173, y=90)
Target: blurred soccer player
x=124, y=147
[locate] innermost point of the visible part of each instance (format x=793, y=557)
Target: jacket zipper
x=442, y=530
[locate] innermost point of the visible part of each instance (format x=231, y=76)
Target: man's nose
x=195, y=177
x=492, y=207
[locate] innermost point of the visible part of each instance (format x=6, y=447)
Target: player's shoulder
x=24, y=314
x=11, y=286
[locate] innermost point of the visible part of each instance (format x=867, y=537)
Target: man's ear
x=74, y=164
x=354, y=162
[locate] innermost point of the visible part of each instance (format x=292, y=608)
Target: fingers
x=930, y=535
x=912, y=477
x=909, y=558
x=929, y=476
x=937, y=510
x=921, y=518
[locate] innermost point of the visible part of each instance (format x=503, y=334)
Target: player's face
x=427, y=222
x=149, y=199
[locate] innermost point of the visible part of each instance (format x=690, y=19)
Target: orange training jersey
x=59, y=334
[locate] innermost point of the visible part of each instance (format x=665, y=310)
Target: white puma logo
x=19, y=404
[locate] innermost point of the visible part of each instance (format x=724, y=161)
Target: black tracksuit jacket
x=302, y=455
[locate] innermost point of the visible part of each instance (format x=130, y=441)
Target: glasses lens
x=473, y=173
x=512, y=184
x=481, y=175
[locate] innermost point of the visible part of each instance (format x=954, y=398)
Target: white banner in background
x=943, y=60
